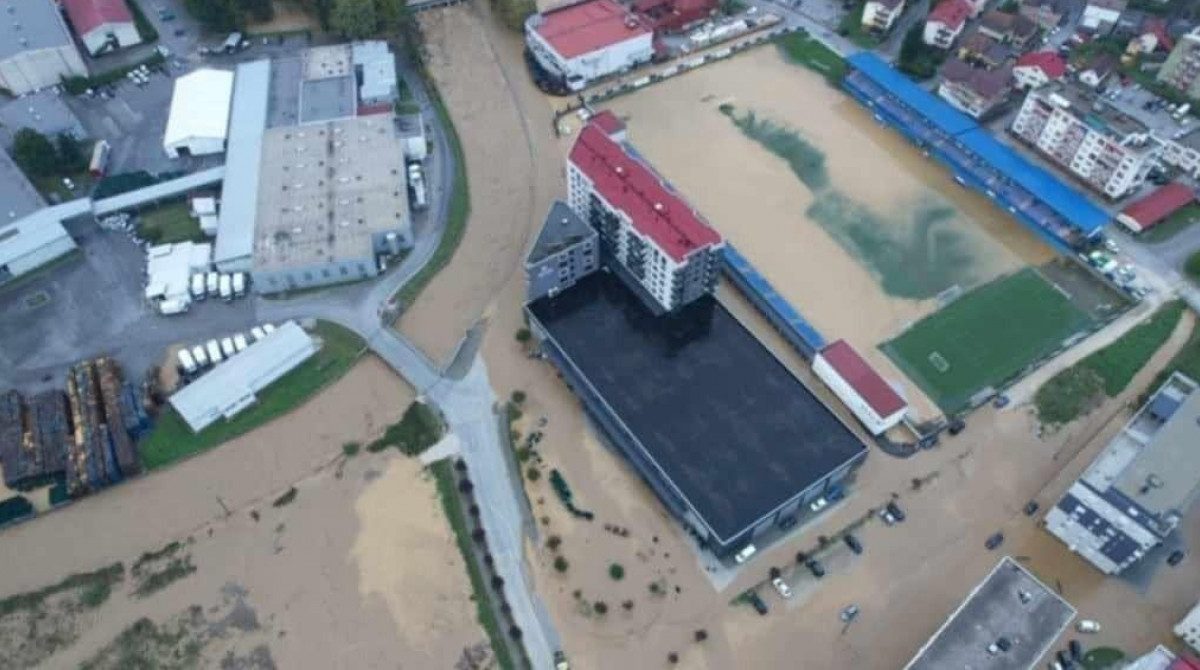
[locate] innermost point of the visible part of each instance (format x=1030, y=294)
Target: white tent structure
x=199, y=120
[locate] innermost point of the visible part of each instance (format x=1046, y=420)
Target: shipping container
x=239, y=284
x=226, y=286
x=227, y=347
x=200, y=356
x=186, y=362
x=239, y=342
x=214, y=351
x=199, y=291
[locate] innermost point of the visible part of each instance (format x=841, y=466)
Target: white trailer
x=199, y=291
x=212, y=283
x=226, y=288
x=257, y=333
x=174, y=306
x=227, y=347
x=214, y=351
x=239, y=284
x=268, y=328
x=200, y=355
x=186, y=363
x=239, y=342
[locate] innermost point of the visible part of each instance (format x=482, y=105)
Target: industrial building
x=30, y=243
x=198, y=123
x=1135, y=492
x=169, y=270
x=774, y=307
x=1153, y=209
x=1043, y=203
x=102, y=25
x=36, y=49
x=239, y=193
x=375, y=68
x=1007, y=622
x=1107, y=150
x=233, y=385
x=672, y=16
x=565, y=251
x=44, y=112
x=668, y=252
x=729, y=440
x=1182, y=152
x=872, y=400
x=1181, y=70
x=1188, y=629
x=18, y=197
x=582, y=42
x=332, y=201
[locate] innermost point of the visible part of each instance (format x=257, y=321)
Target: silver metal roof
x=43, y=111
x=18, y=197
x=232, y=385
x=239, y=197
x=27, y=235
x=28, y=25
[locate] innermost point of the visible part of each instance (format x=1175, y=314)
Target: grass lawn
x=1103, y=658
x=52, y=187
x=1175, y=224
x=1074, y=391
x=1186, y=361
x=814, y=55
x=443, y=472
x=169, y=223
x=851, y=28
x=985, y=338
x=1192, y=267
x=172, y=440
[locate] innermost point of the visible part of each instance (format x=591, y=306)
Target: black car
x=957, y=426
x=1031, y=508
x=1064, y=659
x=895, y=511
x=994, y=541
x=787, y=522
x=758, y=604
x=1175, y=558
x=1076, y=649
x=853, y=543
x=814, y=566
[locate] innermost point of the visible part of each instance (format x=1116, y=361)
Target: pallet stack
x=47, y=429
x=123, y=448
x=11, y=436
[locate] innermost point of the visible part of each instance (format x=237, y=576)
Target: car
x=853, y=543
x=1031, y=508
x=743, y=555
x=849, y=613
x=1000, y=401
x=180, y=32
x=994, y=541
x=1111, y=245
x=957, y=426
x=1076, y=649
x=887, y=517
x=787, y=522
x=1064, y=658
x=814, y=566
x=818, y=504
x=757, y=603
x=895, y=511
x=781, y=587
x=1175, y=558
x=1087, y=626
x=560, y=661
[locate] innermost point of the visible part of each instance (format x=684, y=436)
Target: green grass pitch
x=985, y=338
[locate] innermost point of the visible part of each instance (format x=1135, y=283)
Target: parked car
x=957, y=426
x=853, y=543
x=994, y=541
x=1087, y=626
x=1031, y=508
x=818, y=504
x=745, y=554
x=849, y=613
x=787, y=522
x=757, y=603
x=895, y=511
x=887, y=516
x=781, y=587
x=814, y=566
x=1175, y=558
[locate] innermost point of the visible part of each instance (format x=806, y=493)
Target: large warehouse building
x=589, y=40
x=30, y=243
x=198, y=123
x=36, y=49
x=1137, y=490
x=102, y=25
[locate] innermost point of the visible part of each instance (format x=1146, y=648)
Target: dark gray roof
x=17, y=196
x=30, y=24
x=43, y=111
x=561, y=229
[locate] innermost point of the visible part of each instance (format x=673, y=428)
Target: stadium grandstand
x=778, y=310
x=1052, y=209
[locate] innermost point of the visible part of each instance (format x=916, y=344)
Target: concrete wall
x=32, y=70
x=562, y=270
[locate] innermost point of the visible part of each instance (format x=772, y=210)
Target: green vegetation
x=1192, y=267
x=419, y=429
x=43, y=158
x=561, y=564
x=150, y=582
x=443, y=473
x=1186, y=361
x=171, y=223
x=1174, y=224
x=14, y=509
x=456, y=218
x=1103, y=658
x=559, y=484
x=145, y=29
x=917, y=58
x=286, y=498
x=350, y=449
x=813, y=54
x=851, y=27
x=512, y=13
x=94, y=588
x=986, y=338
x=616, y=571
x=1075, y=391
x=146, y=645
x=172, y=440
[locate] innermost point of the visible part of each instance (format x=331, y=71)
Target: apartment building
x=945, y=23
x=1108, y=151
x=1182, y=68
x=974, y=91
x=881, y=15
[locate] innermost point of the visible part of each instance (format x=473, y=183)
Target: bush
x=518, y=396
x=1192, y=267
x=672, y=658
x=553, y=542
x=775, y=572
x=616, y=571
x=523, y=335
x=533, y=473
x=419, y=429
x=628, y=605
x=286, y=498
x=350, y=449
x=701, y=635
x=561, y=564
x=600, y=607
x=14, y=509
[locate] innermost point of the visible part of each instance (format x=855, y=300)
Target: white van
x=212, y=283
x=214, y=351
x=745, y=554
x=226, y=288
x=200, y=356
x=186, y=363
x=257, y=333
x=198, y=289
x=239, y=342
x=227, y=347
x=1087, y=626
x=239, y=284
x=173, y=306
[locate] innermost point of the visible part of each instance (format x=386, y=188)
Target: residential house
x=983, y=51
x=1096, y=69
x=1048, y=14
x=974, y=91
x=880, y=15
x=1038, y=68
x=1099, y=16
x=945, y=23
x=1183, y=153
x=1010, y=28
x=1181, y=70
x=1151, y=36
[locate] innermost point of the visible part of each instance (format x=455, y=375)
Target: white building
x=1110, y=152
x=30, y=243
x=376, y=69
x=102, y=25
x=1188, y=629
x=1101, y=15
x=233, y=385
x=881, y=15
x=1183, y=153
x=169, y=269
x=199, y=119
x=859, y=387
x=945, y=23
x=587, y=41
x=1036, y=69
x=234, y=250
x=36, y=49
x=659, y=242
x=205, y=211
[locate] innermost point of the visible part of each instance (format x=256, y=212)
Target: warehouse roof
x=18, y=197
x=29, y=234
x=715, y=414
x=562, y=228
x=588, y=26
x=43, y=111
x=30, y=25
x=1160, y=204
x=863, y=378
x=239, y=195
x=200, y=106
x=1010, y=603
x=232, y=385
x=632, y=186
x=87, y=15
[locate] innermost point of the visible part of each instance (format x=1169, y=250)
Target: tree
x=561, y=564
x=34, y=153
x=354, y=19
x=600, y=607
x=523, y=335
x=672, y=658
x=518, y=396
x=514, y=12
x=701, y=635
x=497, y=582
x=219, y=16
x=616, y=571
x=533, y=473
x=259, y=10
x=553, y=542
x=775, y=572
x=70, y=154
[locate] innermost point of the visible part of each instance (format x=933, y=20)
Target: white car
x=1087, y=626
x=782, y=587
x=818, y=504
x=745, y=554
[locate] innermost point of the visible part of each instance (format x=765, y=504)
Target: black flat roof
x=727, y=423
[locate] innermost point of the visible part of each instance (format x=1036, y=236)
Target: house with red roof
x=1038, y=68
x=672, y=16
x=1156, y=207
x=945, y=22
x=859, y=386
x=589, y=40
x=102, y=25
x=661, y=246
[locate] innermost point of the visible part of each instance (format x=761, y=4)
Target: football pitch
x=985, y=338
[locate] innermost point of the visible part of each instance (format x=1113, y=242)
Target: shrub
x=553, y=542
x=672, y=658
x=497, y=582
x=465, y=486
x=616, y=571
x=628, y=605
x=775, y=572
x=533, y=473
x=600, y=607
x=523, y=335
x=518, y=396
x=350, y=449
x=561, y=564
x=515, y=632
x=286, y=498
x=701, y=635
x=478, y=535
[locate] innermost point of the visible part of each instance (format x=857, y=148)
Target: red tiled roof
x=951, y=13
x=608, y=122
x=87, y=15
x=1160, y=204
x=1184, y=663
x=862, y=378
x=633, y=187
x=588, y=26
x=1049, y=62
x=1157, y=26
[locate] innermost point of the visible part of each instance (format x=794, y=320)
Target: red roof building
x=951, y=14
x=608, y=122
x=1154, y=208
x=102, y=24
x=857, y=384
x=589, y=26
x=1048, y=62
x=1184, y=663
x=674, y=15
